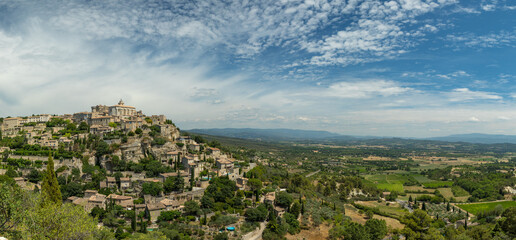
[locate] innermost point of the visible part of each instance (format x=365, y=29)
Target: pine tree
x=410, y=199
x=50, y=191
x=423, y=207
x=448, y=207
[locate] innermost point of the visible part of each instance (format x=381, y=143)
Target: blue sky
x=406, y=68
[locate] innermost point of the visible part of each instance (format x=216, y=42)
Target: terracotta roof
x=118, y=197
x=167, y=202
x=155, y=206
x=125, y=179
x=97, y=198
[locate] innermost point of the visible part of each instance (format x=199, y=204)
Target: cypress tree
x=133, y=220
x=50, y=191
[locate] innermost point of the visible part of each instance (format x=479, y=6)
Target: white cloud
x=366, y=89
x=474, y=119
x=459, y=73
x=464, y=94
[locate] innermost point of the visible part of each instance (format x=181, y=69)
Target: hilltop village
x=121, y=156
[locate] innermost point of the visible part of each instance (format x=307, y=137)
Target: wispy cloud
x=502, y=38
x=366, y=89
x=464, y=94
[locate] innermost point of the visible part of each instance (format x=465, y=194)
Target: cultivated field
x=475, y=208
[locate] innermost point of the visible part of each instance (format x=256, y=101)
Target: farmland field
x=475, y=208
x=398, y=187
x=393, y=209
x=438, y=184
x=459, y=192
x=446, y=192
x=389, y=182
x=414, y=196
x=422, y=179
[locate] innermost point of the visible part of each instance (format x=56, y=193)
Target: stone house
x=154, y=210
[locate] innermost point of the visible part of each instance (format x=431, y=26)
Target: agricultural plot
x=422, y=179
x=392, y=209
x=388, y=182
x=414, y=196
x=446, y=192
x=416, y=189
x=459, y=192
x=439, y=210
x=391, y=187
x=475, y=208
x=438, y=184
x=355, y=216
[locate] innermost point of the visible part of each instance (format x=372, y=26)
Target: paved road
x=311, y=174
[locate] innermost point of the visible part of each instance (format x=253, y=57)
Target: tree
x=191, y=208
x=349, y=230
x=369, y=214
x=168, y=215
x=255, y=185
x=283, y=199
x=50, y=191
x=377, y=228
x=154, y=235
x=152, y=188
x=509, y=222
x=258, y=214
x=56, y=221
x=173, y=184
x=296, y=208
x=11, y=205
x=83, y=126
x=221, y=236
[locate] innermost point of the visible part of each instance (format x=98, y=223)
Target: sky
x=406, y=68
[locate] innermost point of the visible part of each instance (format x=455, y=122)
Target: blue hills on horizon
x=283, y=134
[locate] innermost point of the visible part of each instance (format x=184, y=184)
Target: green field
x=388, y=182
x=475, y=208
x=422, y=179
x=438, y=184
x=459, y=192
x=398, y=187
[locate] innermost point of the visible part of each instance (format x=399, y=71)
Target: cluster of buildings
x=104, y=119
x=13, y=125
x=101, y=120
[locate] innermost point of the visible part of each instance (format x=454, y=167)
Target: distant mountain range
x=311, y=135
x=280, y=134
x=477, y=138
